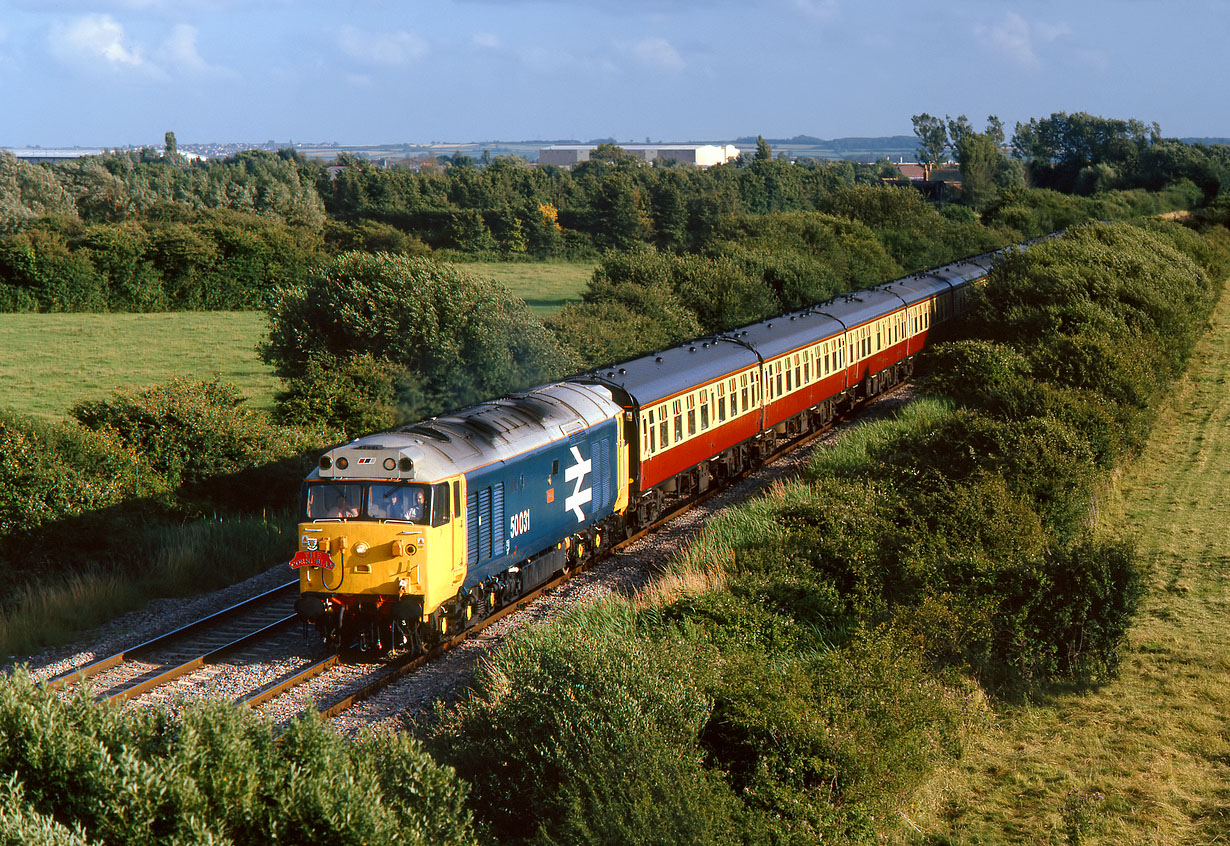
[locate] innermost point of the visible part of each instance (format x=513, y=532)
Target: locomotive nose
x=309, y=608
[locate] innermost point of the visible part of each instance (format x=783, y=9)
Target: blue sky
x=119, y=72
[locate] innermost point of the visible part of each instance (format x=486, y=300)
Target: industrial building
x=700, y=155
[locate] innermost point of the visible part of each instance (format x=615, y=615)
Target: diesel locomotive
x=411, y=534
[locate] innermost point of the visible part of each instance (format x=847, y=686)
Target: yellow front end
x=369, y=559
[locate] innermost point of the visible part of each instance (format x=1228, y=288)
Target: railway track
x=159, y=661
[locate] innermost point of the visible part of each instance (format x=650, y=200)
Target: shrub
x=459, y=339
x=585, y=731
x=126, y=776
x=187, y=431
x=817, y=746
x=352, y=396
x=48, y=472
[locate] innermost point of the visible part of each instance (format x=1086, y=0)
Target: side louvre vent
x=497, y=519
x=472, y=528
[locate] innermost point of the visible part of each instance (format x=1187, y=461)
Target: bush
x=459, y=339
x=217, y=775
x=585, y=731
x=187, y=431
x=806, y=257
x=351, y=396
x=820, y=745
x=49, y=472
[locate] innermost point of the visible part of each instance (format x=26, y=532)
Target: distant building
x=34, y=155
x=700, y=155
x=52, y=154
x=940, y=173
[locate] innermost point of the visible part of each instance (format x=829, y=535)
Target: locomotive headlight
x=360, y=548
x=342, y=464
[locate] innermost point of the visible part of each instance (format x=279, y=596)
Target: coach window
x=721, y=390
x=807, y=367
x=797, y=371
x=743, y=390
x=691, y=415
x=677, y=408
x=653, y=443
x=777, y=378
x=664, y=431
x=789, y=384
x=704, y=409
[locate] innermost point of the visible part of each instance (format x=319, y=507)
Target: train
x=410, y=535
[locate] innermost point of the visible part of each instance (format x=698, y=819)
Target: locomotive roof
x=473, y=437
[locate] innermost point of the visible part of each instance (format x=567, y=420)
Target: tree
x=932, y=140
x=455, y=339
x=764, y=152
x=172, y=149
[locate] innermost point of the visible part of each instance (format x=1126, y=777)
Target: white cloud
x=486, y=40
x=657, y=53
x=95, y=40
x=179, y=53
x=391, y=49
x=1018, y=39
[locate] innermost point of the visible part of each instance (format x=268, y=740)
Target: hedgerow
x=812, y=675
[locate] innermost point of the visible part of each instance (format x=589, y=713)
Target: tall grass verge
x=167, y=561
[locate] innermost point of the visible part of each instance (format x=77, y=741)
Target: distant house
x=700, y=155
x=915, y=172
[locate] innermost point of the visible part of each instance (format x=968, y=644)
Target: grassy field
x=1145, y=758
x=546, y=286
x=50, y=362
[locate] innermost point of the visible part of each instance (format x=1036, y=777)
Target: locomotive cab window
x=439, y=505
x=401, y=503
x=333, y=502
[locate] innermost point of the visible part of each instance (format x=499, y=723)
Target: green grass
x=172, y=561
x=50, y=362
x=547, y=286
x=1145, y=758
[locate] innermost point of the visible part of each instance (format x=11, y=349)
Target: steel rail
x=90, y=670
x=170, y=674
x=276, y=689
